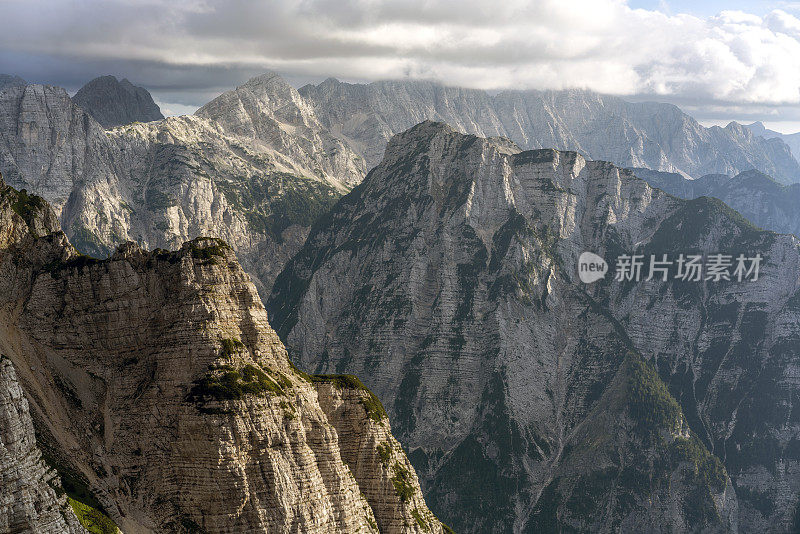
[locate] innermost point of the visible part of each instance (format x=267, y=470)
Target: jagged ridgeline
x=257, y=164
x=759, y=198
x=150, y=389
x=253, y=167
x=529, y=401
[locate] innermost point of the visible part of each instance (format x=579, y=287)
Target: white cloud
x=604, y=45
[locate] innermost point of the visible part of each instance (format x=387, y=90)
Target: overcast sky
x=719, y=60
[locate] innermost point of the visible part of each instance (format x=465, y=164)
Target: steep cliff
x=113, y=103
x=31, y=499
x=162, y=392
x=162, y=183
x=49, y=145
x=448, y=281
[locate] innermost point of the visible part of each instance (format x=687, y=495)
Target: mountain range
x=647, y=134
x=448, y=282
x=756, y=196
x=259, y=163
x=436, y=262
x=156, y=394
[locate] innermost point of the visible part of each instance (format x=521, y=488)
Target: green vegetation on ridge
x=276, y=201
x=91, y=519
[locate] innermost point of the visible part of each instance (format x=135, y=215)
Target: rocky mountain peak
x=114, y=103
x=448, y=280
x=253, y=101
x=173, y=405
x=8, y=80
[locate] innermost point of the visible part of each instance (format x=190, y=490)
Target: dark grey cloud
x=187, y=51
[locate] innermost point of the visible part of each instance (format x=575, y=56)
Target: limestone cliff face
x=113, y=103
x=268, y=111
x=162, y=183
x=163, y=392
x=49, y=145
x=657, y=136
x=28, y=499
x=448, y=281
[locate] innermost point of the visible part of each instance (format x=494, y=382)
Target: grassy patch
x=92, y=520
x=229, y=383
x=274, y=202
x=231, y=346
x=27, y=205
x=650, y=404
x=420, y=521
x=402, y=482
x=385, y=453
x=209, y=253
x=707, y=467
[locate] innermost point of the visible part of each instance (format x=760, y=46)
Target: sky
x=718, y=60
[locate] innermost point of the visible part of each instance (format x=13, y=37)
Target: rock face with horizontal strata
x=162, y=183
x=448, y=282
x=162, y=388
x=28, y=499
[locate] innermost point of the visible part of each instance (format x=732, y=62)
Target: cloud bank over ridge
x=188, y=50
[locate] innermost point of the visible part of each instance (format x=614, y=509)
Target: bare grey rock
x=8, y=80
x=448, y=281
x=270, y=113
x=649, y=134
x=29, y=503
x=114, y=103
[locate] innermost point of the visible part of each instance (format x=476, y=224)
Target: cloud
x=189, y=49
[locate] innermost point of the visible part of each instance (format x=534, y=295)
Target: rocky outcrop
x=530, y=401
x=29, y=502
x=377, y=460
x=7, y=81
x=160, y=183
x=652, y=135
x=270, y=113
x=792, y=140
x=163, y=392
x=114, y=103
